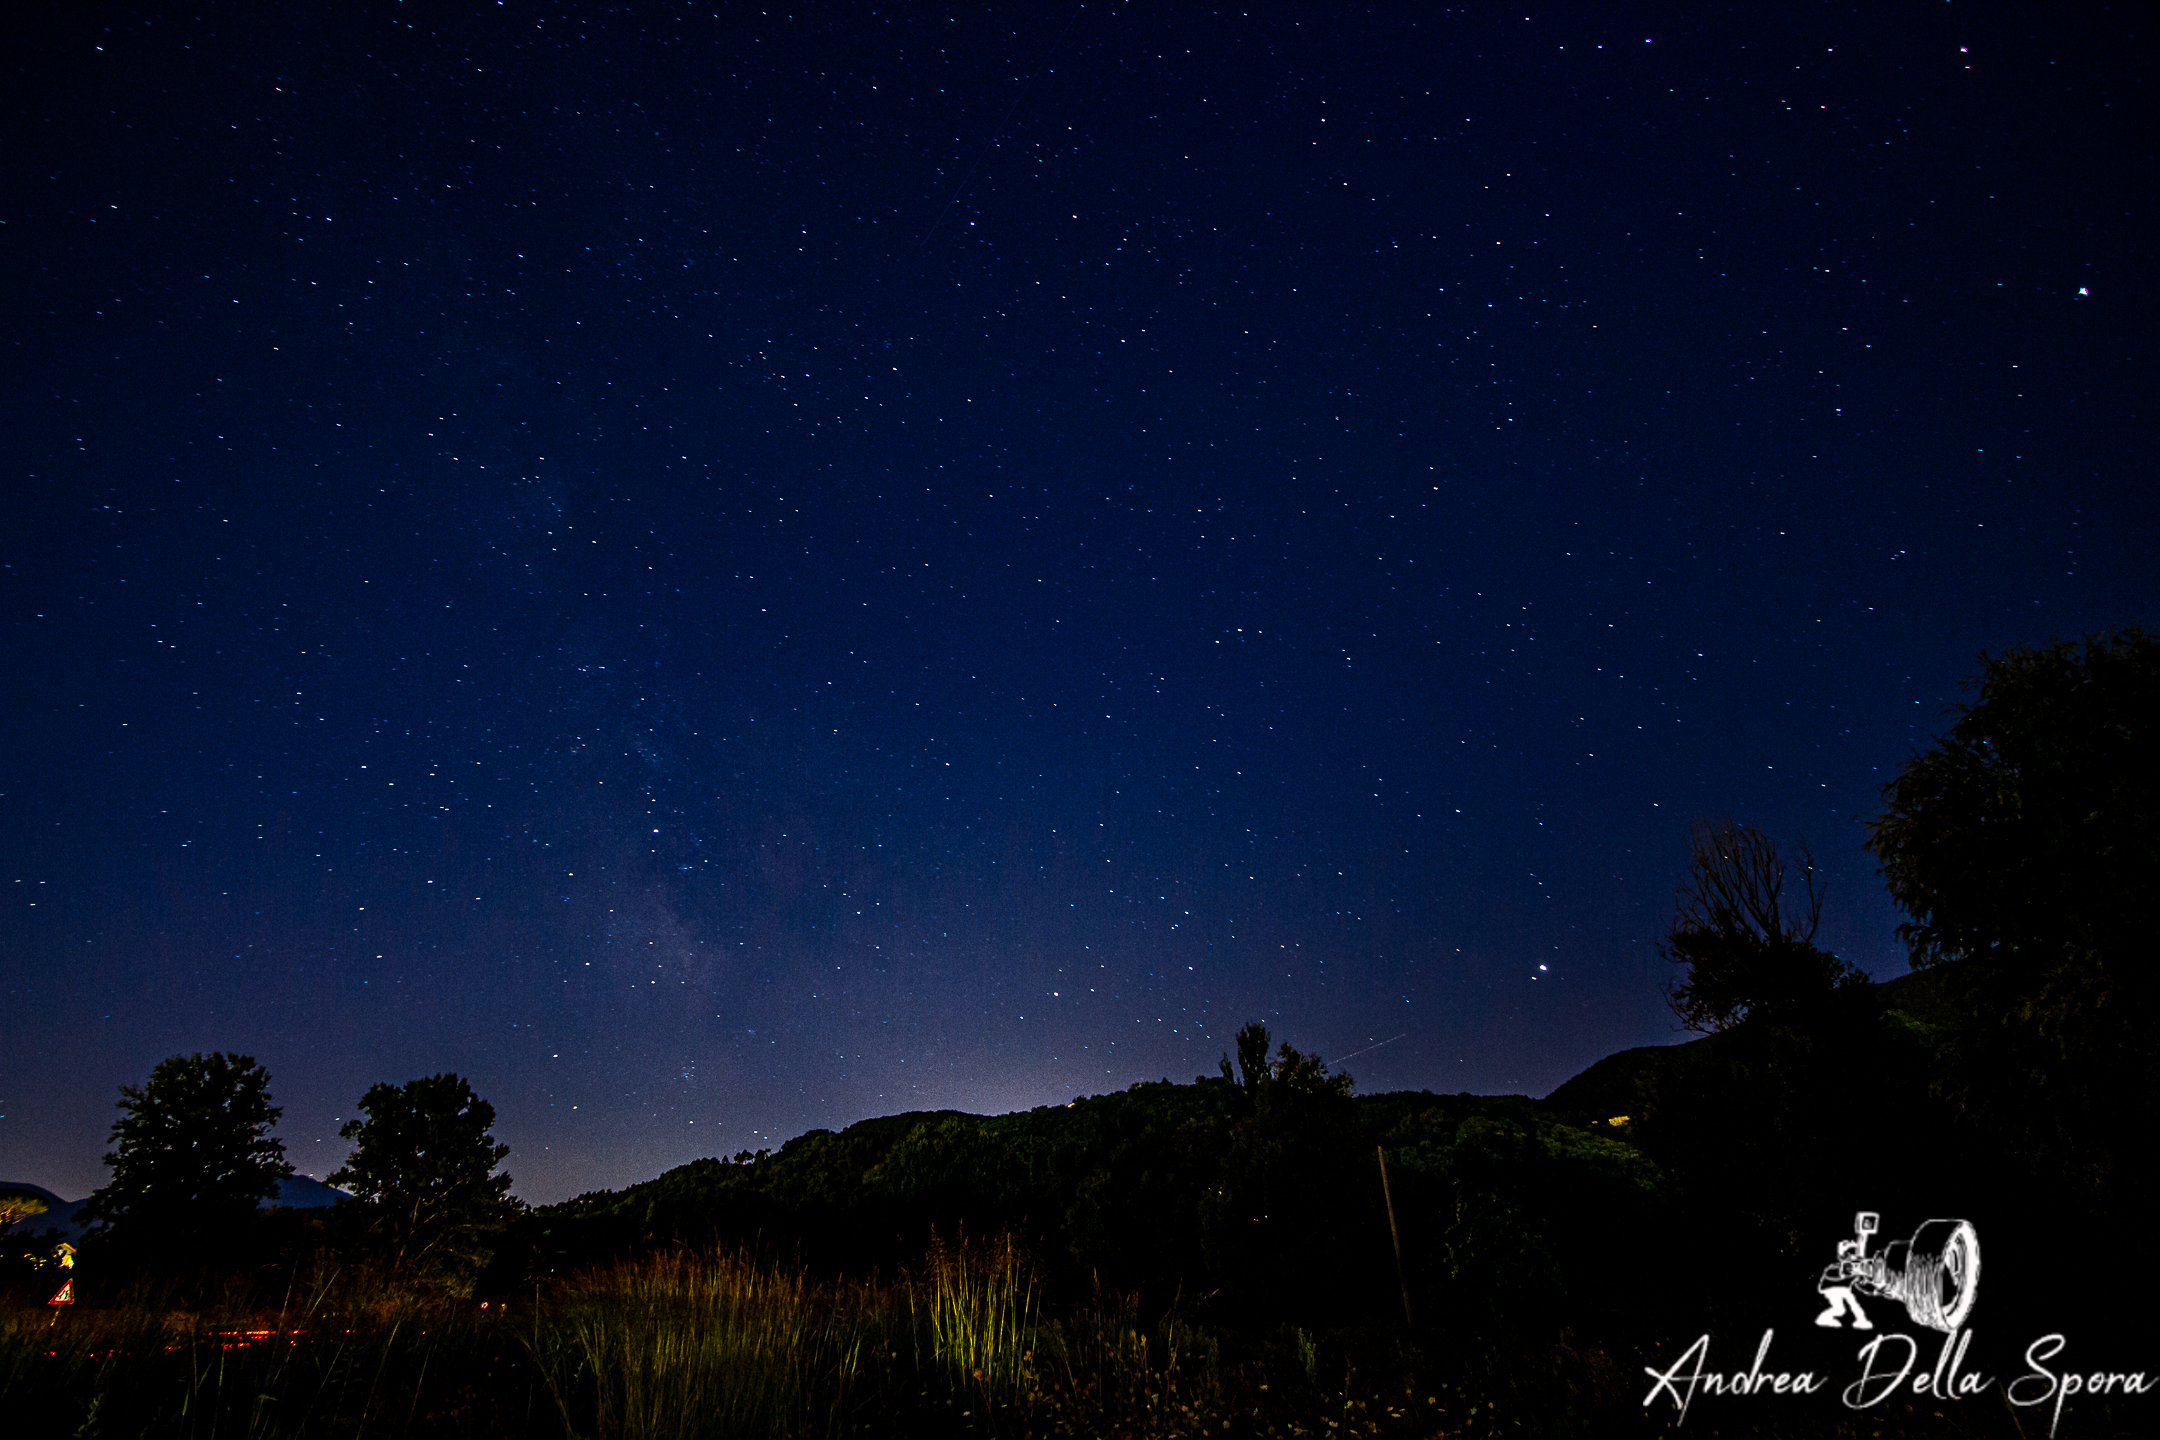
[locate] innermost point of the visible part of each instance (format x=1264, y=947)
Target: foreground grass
x=139, y=1369
x=672, y=1347
x=690, y=1345
x=710, y=1345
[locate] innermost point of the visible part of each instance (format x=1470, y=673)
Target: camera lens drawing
x=1935, y=1275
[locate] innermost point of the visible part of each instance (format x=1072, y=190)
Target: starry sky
x=721, y=570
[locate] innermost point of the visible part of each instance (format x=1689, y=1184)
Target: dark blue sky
x=724, y=572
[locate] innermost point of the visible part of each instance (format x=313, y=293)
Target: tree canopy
x=192, y=1154
x=17, y=1206
x=2022, y=846
x=423, y=1173
x=1749, y=949
x=2030, y=825
x=1290, y=1070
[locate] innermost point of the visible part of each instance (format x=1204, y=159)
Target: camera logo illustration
x=1935, y=1275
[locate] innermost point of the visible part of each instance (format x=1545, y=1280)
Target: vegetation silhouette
x=2023, y=845
x=19, y=1205
x=426, y=1197
x=192, y=1160
x=1748, y=952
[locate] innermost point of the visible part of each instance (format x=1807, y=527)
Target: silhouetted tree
x=422, y=1178
x=1747, y=950
x=1307, y=1074
x=1290, y=1067
x=2030, y=826
x=192, y=1152
x=1270, y=1211
x=2024, y=845
x=17, y=1206
x=1252, y=1058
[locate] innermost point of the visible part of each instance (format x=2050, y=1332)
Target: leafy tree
x=19, y=1205
x=192, y=1151
x=1290, y=1069
x=1252, y=1058
x=2023, y=846
x=422, y=1174
x=1747, y=951
x=1270, y=1213
x=1307, y=1074
x=2029, y=828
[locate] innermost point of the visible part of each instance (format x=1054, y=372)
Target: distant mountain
x=1614, y=1086
x=298, y=1192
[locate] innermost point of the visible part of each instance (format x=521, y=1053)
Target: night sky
x=721, y=573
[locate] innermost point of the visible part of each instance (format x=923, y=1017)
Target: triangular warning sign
x=66, y=1295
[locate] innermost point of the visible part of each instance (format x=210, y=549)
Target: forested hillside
x=1259, y=1201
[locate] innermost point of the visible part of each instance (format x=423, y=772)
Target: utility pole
x=1394, y=1235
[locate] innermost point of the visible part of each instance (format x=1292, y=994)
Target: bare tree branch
x=1743, y=952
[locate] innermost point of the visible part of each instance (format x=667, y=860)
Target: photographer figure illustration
x=1935, y=1275
x=1851, y=1269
